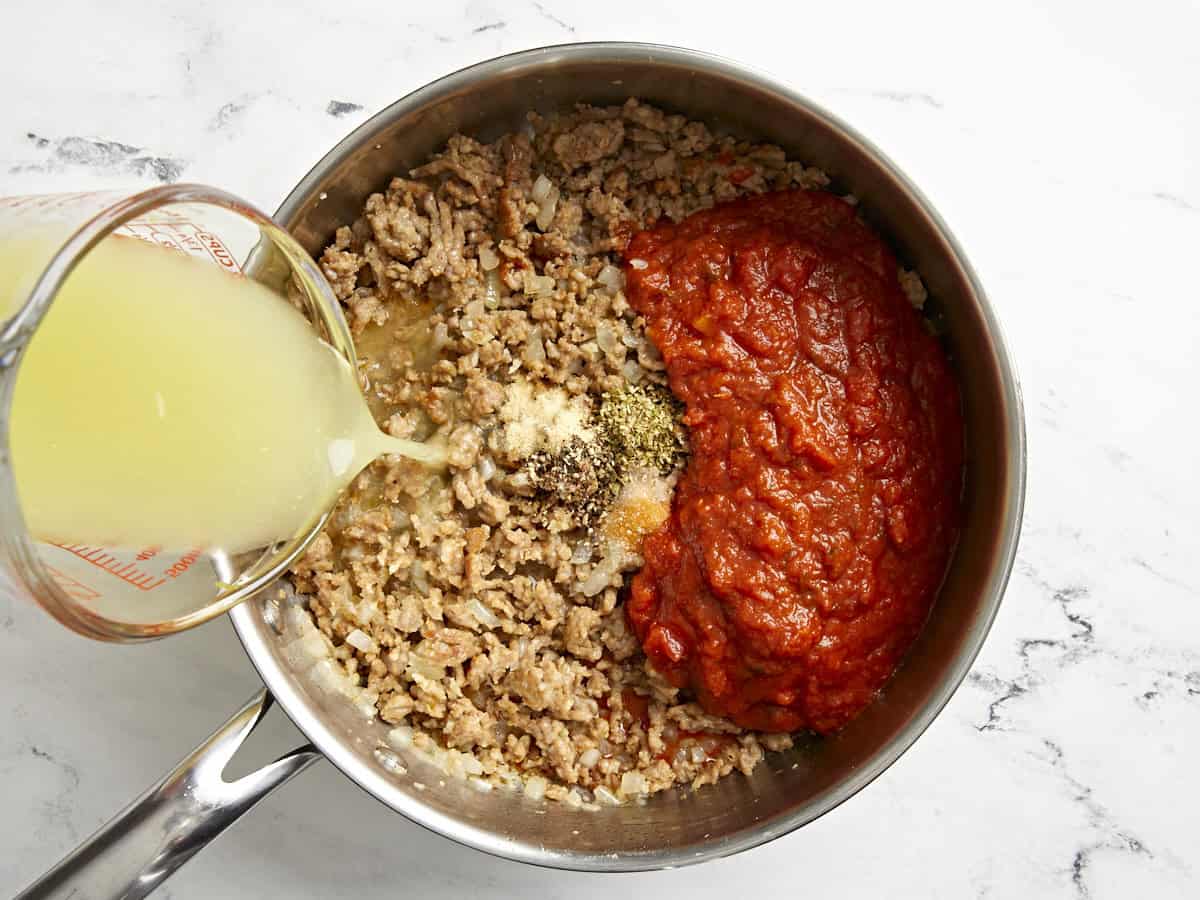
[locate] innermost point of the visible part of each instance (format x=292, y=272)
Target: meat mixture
x=479, y=610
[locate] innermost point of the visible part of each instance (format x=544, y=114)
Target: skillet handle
x=146, y=842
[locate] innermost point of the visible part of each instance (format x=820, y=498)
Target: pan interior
x=788, y=789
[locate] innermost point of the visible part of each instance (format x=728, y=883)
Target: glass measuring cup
x=120, y=594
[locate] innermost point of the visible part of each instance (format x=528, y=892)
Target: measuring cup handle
x=158, y=832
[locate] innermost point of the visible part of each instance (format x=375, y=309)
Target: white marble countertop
x=1060, y=140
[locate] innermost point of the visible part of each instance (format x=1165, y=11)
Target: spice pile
x=635, y=428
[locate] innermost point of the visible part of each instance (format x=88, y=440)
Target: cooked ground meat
x=490, y=616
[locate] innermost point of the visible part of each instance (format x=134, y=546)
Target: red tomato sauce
x=812, y=527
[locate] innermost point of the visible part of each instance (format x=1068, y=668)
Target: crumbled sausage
x=588, y=142
x=483, y=638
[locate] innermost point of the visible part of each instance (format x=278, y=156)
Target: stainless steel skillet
x=161, y=830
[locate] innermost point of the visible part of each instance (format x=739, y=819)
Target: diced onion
x=454, y=763
x=488, y=259
x=419, y=580
x=596, y=582
x=312, y=644
x=632, y=784
x=612, y=278
x=606, y=797
x=606, y=337
x=541, y=189
x=519, y=482
x=420, y=666
x=578, y=796
x=441, y=336
x=534, y=352
x=360, y=640
x=601, y=575
x=482, y=614
x=589, y=758
x=487, y=468
x=582, y=553
x=639, y=264
x=538, y=285
x=491, y=290
x=546, y=210
x=328, y=677
x=535, y=787
x=296, y=618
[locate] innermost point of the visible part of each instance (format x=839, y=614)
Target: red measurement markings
x=185, y=236
x=148, y=234
x=127, y=572
x=187, y=239
x=76, y=590
x=160, y=237
x=163, y=240
x=184, y=563
x=218, y=251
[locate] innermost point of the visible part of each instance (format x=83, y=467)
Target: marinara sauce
x=812, y=527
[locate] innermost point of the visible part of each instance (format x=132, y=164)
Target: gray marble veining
x=1059, y=140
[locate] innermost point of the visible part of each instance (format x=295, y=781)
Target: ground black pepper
x=582, y=476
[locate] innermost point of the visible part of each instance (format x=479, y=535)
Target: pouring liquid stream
x=163, y=402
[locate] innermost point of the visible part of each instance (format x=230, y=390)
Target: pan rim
x=281, y=683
